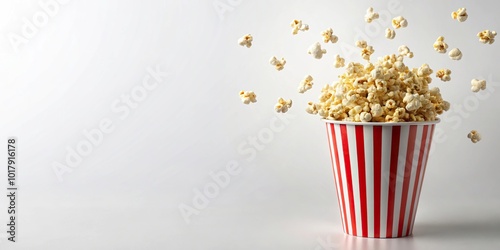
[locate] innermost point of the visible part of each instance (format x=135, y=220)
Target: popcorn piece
x=412, y=101
x=278, y=64
x=246, y=40
x=478, y=85
x=487, y=36
x=313, y=108
x=306, y=84
x=405, y=51
x=440, y=46
x=283, y=105
x=460, y=15
x=366, y=51
x=474, y=136
x=444, y=74
x=248, y=96
x=399, y=22
x=361, y=44
x=339, y=62
x=365, y=117
x=370, y=15
x=298, y=25
x=316, y=51
x=328, y=36
x=424, y=70
x=455, y=54
x=376, y=110
x=390, y=33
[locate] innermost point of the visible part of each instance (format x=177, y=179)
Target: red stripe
x=424, y=167
x=396, y=133
x=377, y=175
x=360, y=147
x=329, y=126
x=339, y=178
x=345, y=147
x=417, y=178
x=406, y=181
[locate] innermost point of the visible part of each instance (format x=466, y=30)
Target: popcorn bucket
x=378, y=170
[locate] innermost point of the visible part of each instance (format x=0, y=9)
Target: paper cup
x=378, y=170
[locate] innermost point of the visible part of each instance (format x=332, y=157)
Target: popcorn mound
x=386, y=91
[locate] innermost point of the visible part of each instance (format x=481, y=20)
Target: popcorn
x=366, y=51
x=283, y=105
x=361, y=44
x=474, y=136
x=370, y=15
x=384, y=91
x=306, y=84
x=312, y=108
x=365, y=117
x=390, y=34
x=248, y=96
x=440, y=46
x=298, y=25
x=278, y=64
x=478, y=85
x=455, y=54
x=444, y=74
x=246, y=40
x=316, y=51
x=460, y=15
x=487, y=36
x=399, y=22
x=405, y=51
x=328, y=36
x=339, y=62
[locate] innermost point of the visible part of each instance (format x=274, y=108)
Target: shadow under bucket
x=378, y=170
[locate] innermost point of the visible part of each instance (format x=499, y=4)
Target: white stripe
x=337, y=176
x=351, y=136
x=368, y=134
x=403, y=147
x=343, y=176
x=424, y=163
x=384, y=182
x=416, y=154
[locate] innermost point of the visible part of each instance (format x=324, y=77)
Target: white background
x=65, y=76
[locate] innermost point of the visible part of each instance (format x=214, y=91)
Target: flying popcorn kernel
x=246, y=40
x=339, y=62
x=283, y=105
x=444, y=74
x=278, y=64
x=455, y=54
x=328, y=36
x=370, y=15
x=298, y=25
x=316, y=51
x=460, y=15
x=306, y=84
x=399, y=22
x=474, y=136
x=312, y=108
x=361, y=44
x=405, y=51
x=390, y=33
x=440, y=46
x=487, y=36
x=477, y=85
x=248, y=97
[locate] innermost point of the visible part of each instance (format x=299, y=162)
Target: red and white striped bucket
x=379, y=169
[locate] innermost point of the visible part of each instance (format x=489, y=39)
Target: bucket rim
x=390, y=124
